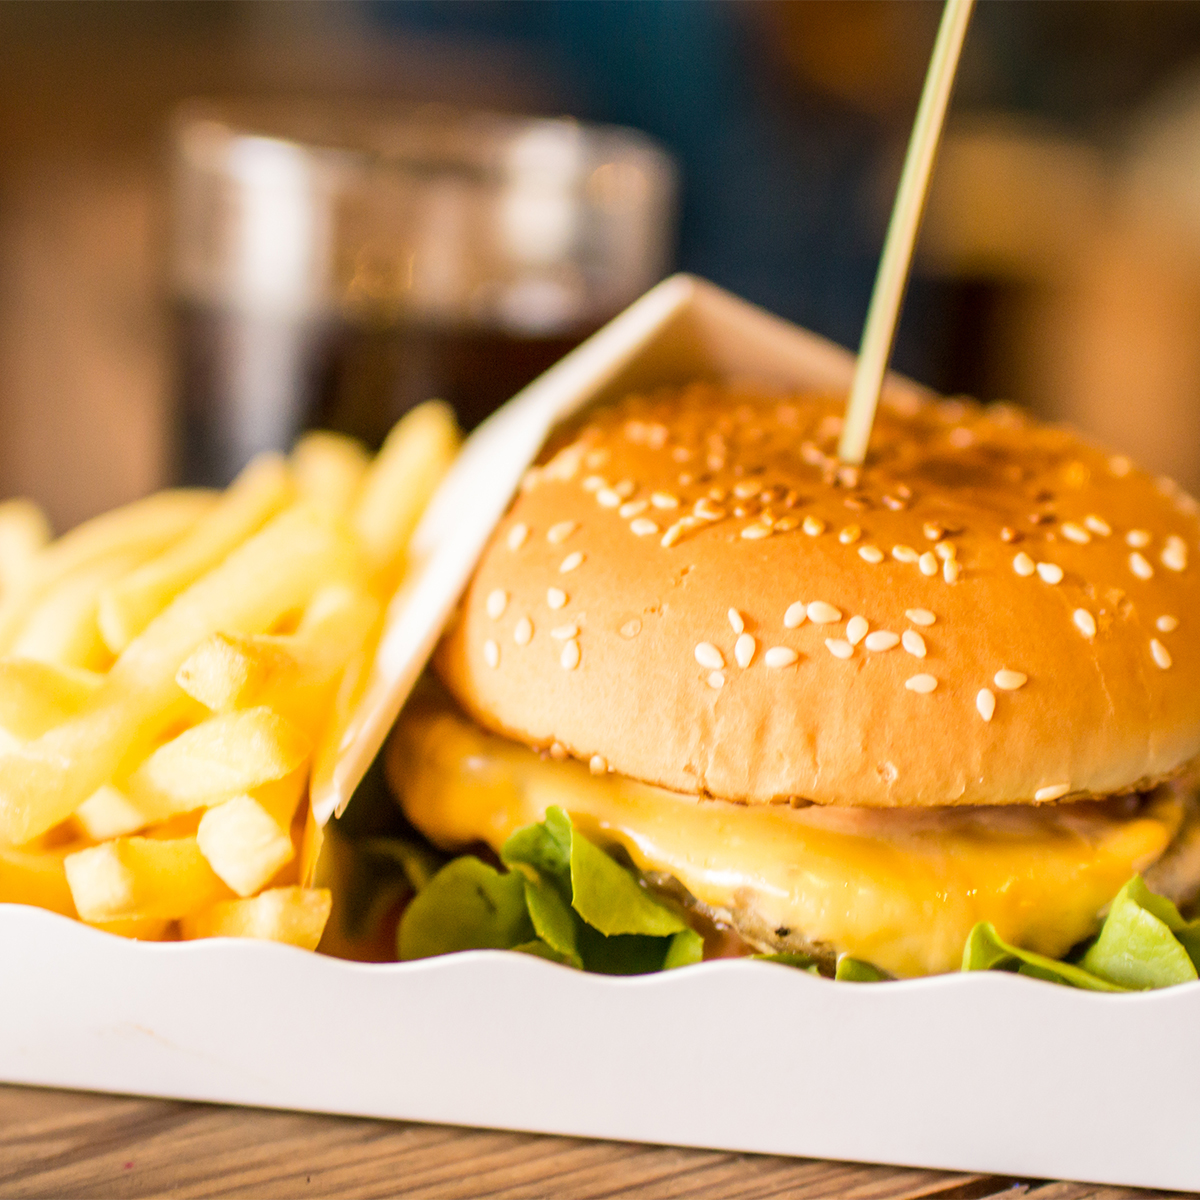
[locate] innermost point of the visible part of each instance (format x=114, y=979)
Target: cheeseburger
x=829, y=710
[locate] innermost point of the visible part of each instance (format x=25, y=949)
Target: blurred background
x=170, y=267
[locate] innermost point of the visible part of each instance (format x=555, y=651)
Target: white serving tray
x=983, y=1072
x=992, y=1073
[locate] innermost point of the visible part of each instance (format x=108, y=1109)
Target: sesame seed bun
x=670, y=597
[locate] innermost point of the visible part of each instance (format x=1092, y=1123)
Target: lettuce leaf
x=1144, y=942
x=987, y=951
x=562, y=898
x=854, y=970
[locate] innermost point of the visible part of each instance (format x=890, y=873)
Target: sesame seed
x=786, y=524
x=871, y=554
x=895, y=503
x=1009, y=534
x=706, y=510
x=1050, y=572
x=735, y=621
x=1119, y=465
x=632, y=507
x=631, y=628
x=1023, y=564
x=523, y=632
x=849, y=535
x=559, y=533
x=625, y=488
x=946, y=551
x=642, y=527
x=1097, y=525
x=921, y=684
x=820, y=613
x=780, y=656
x=905, y=554
x=1139, y=566
x=752, y=532
x=1166, y=624
x=664, y=500
x=1054, y=792
x=1084, y=622
x=680, y=454
x=1137, y=538
x=716, y=679
x=880, y=640
x=856, y=630
x=593, y=483
x=920, y=616
x=597, y=765
x=1075, y=533
x=517, y=535
x=672, y=535
x=707, y=655
x=569, y=658
x=746, y=489
x=558, y=752
x=607, y=498
x=497, y=602
x=556, y=597
x=928, y=563
x=743, y=650
x=1174, y=555
x=596, y=459
x=933, y=532
x=570, y=562
x=1160, y=653
x=564, y=632
x=951, y=570
x=985, y=703
x=795, y=615
x=814, y=526
x=718, y=494
x=491, y=654
x=839, y=648
x=1009, y=681
x=913, y=642
x=960, y=437
x=685, y=478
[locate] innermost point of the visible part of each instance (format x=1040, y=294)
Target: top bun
x=1029, y=603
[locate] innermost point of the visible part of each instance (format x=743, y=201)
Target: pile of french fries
x=172, y=672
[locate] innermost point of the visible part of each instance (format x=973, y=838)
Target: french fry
x=24, y=531
x=274, y=573
x=248, y=838
x=293, y=674
x=128, y=605
x=137, y=878
x=108, y=813
x=329, y=469
x=37, y=877
x=36, y=696
x=63, y=627
x=140, y=529
x=400, y=482
x=215, y=761
x=289, y=914
x=141, y=929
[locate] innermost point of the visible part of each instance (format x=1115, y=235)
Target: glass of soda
x=331, y=267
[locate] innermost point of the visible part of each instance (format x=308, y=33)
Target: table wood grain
x=77, y=1144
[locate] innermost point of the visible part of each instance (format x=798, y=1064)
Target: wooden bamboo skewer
x=880, y=330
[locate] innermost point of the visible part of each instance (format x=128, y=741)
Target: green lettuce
x=561, y=898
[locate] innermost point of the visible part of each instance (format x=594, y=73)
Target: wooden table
x=75, y=1144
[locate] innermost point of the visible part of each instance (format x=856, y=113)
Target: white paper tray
x=983, y=1072
x=989, y=1073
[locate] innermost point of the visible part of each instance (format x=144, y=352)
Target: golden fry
x=274, y=573
x=128, y=605
x=36, y=696
x=248, y=839
x=108, y=813
x=24, y=532
x=329, y=470
x=36, y=877
x=216, y=760
x=140, y=529
x=136, y=878
x=399, y=484
x=289, y=914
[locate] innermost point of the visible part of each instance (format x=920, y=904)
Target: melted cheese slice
x=898, y=888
